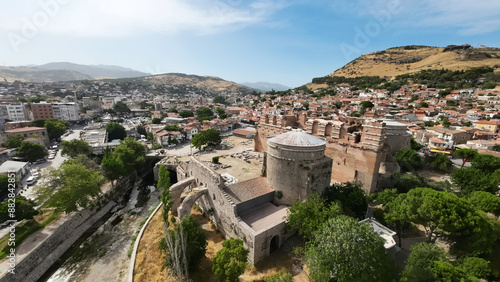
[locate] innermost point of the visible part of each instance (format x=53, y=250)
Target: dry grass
x=149, y=259
x=392, y=62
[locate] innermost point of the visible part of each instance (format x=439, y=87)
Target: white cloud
x=127, y=17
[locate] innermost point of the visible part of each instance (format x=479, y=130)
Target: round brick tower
x=296, y=166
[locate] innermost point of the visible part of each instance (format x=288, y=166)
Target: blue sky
x=288, y=42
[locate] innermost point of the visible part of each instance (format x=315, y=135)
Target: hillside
x=208, y=84
x=95, y=71
x=411, y=59
x=33, y=74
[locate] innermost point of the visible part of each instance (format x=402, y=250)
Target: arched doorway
x=328, y=129
x=275, y=244
x=315, y=127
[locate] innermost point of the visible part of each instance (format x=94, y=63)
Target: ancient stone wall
x=356, y=146
x=39, y=260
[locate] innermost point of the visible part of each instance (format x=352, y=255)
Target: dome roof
x=297, y=139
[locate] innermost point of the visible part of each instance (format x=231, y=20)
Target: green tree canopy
x=439, y=162
x=186, y=114
x=14, y=141
x=485, y=201
x=32, y=151
x=141, y=130
x=222, y=114
x=70, y=187
x=345, y=250
x=24, y=209
x=308, y=216
x=365, y=105
x=404, y=182
x=112, y=166
x=408, y=159
x=115, y=131
x=420, y=262
x=230, y=262
x=121, y=107
x=172, y=127
x=415, y=145
x=55, y=128
x=470, y=179
x=75, y=147
x=351, y=195
x=440, y=213
x=164, y=186
x=486, y=163
x=156, y=120
x=131, y=153
x=218, y=99
x=465, y=154
x=184, y=246
x=207, y=138
x=476, y=267
x=204, y=114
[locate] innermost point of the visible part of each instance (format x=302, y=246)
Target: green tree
x=186, y=114
x=351, y=195
x=156, y=120
x=486, y=163
x=24, y=209
x=172, y=127
x=465, y=154
x=207, y=138
x=308, y=216
x=476, y=267
x=420, y=262
x=230, y=262
x=485, y=201
x=115, y=131
x=365, y=105
x=408, y=159
x=222, y=114
x=75, y=147
x=121, y=107
x=4, y=185
x=218, y=99
x=204, y=114
x=13, y=141
x=423, y=105
x=393, y=217
x=55, y=128
x=164, y=186
x=470, y=179
x=184, y=247
x=112, y=166
x=478, y=240
x=425, y=206
x=32, y=151
x=386, y=196
x=415, y=145
x=132, y=154
x=70, y=187
x=439, y=162
x=141, y=130
x=445, y=271
x=404, y=182
x=344, y=250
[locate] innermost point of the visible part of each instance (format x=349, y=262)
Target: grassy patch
x=25, y=229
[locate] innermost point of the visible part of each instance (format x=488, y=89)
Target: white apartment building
x=66, y=111
x=14, y=112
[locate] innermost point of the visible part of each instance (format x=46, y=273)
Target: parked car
x=40, y=161
x=51, y=156
x=30, y=181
